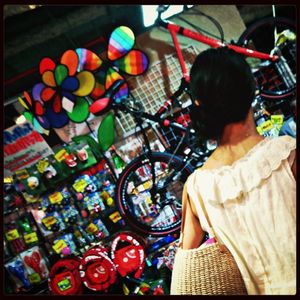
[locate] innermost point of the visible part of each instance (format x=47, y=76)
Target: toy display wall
x=60, y=216
x=63, y=206
x=63, y=230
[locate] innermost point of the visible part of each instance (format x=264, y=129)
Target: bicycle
x=149, y=188
x=280, y=63
x=147, y=198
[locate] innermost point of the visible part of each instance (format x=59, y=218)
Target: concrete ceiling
x=31, y=33
x=11, y=10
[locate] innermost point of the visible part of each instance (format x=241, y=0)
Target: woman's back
x=252, y=207
x=228, y=154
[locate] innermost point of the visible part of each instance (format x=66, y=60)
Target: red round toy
x=64, y=277
x=130, y=258
x=97, y=271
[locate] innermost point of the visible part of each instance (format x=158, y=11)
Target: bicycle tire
x=259, y=36
x=137, y=208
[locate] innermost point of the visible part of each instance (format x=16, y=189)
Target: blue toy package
x=80, y=240
x=101, y=176
x=89, y=238
x=93, y=203
x=101, y=227
x=44, y=202
x=106, y=182
x=65, y=194
x=96, y=182
x=84, y=184
x=53, y=221
x=18, y=273
x=69, y=244
x=70, y=214
x=52, y=201
x=161, y=243
x=108, y=186
x=289, y=127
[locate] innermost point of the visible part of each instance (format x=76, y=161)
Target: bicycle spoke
x=157, y=214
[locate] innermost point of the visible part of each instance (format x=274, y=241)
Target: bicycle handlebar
x=139, y=114
x=102, y=105
x=170, y=101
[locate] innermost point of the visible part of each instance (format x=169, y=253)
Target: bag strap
x=212, y=231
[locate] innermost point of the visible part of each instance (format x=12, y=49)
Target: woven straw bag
x=211, y=270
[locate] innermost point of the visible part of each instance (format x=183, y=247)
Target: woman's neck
x=237, y=132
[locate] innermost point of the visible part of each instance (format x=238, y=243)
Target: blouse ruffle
x=229, y=182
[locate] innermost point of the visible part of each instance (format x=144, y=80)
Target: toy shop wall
x=65, y=233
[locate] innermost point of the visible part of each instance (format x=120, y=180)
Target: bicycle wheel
x=275, y=80
x=153, y=215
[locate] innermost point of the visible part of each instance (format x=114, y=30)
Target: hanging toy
x=33, y=259
x=33, y=182
x=17, y=269
x=65, y=201
x=24, y=224
x=15, y=238
x=50, y=172
x=70, y=160
x=130, y=258
x=33, y=262
x=66, y=251
x=51, y=208
x=82, y=154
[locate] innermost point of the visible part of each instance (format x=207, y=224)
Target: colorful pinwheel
x=121, y=42
x=65, y=88
x=121, y=58
x=35, y=109
x=61, y=96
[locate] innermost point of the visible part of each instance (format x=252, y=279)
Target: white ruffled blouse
x=252, y=208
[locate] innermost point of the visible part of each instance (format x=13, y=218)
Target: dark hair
x=222, y=82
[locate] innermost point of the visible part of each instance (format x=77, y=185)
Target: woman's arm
x=193, y=234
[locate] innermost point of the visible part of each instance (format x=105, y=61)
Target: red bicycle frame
x=176, y=29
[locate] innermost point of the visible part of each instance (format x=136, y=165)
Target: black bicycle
x=150, y=187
